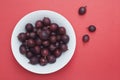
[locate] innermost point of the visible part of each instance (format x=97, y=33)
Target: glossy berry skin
x=33, y=60
x=52, y=47
x=92, y=28
x=85, y=38
x=46, y=21
x=65, y=38
x=53, y=27
x=82, y=10
x=51, y=59
x=30, y=43
x=22, y=37
x=39, y=24
x=43, y=61
x=53, y=39
x=62, y=30
x=44, y=52
x=43, y=35
x=37, y=50
x=57, y=53
x=23, y=49
x=29, y=55
x=63, y=47
x=29, y=27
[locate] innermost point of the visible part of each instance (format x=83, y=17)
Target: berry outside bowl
x=32, y=18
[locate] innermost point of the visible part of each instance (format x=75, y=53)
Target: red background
x=99, y=59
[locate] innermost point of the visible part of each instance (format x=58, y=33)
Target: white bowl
x=32, y=18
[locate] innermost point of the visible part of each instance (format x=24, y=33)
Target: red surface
x=99, y=59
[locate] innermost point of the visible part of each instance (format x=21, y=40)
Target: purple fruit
x=38, y=42
x=58, y=37
x=62, y=30
x=37, y=49
x=30, y=43
x=82, y=10
x=92, y=28
x=57, y=53
x=43, y=35
x=85, y=38
x=44, y=52
x=45, y=43
x=51, y=59
x=23, y=49
x=65, y=38
x=29, y=55
x=46, y=21
x=52, y=47
x=39, y=24
x=53, y=39
x=53, y=27
x=32, y=35
x=34, y=60
x=29, y=27
x=43, y=61
x=63, y=47
x=22, y=37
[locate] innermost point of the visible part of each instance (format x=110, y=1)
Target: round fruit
x=51, y=59
x=34, y=60
x=85, y=38
x=43, y=61
x=39, y=24
x=82, y=10
x=45, y=43
x=53, y=39
x=62, y=30
x=44, y=52
x=37, y=49
x=30, y=43
x=22, y=37
x=46, y=21
x=32, y=35
x=63, y=47
x=29, y=55
x=57, y=52
x=23, y=49
x=43, y=35
x=52, y=47
x=53, y=27
x=29, y=27
x=65, y=38
x=92, y=28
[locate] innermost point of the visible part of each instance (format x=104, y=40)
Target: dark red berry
x=85, y=38
x=63, y=47
x=43, y=61
x=22, y=37
x=43, y=35
x=82, y=10
x=37, y=49
x=23, y=49
x=34, y=60
x=92, y=28
x=65, y=38
x=57, y=52
x=52, y=47
x=46, y=21
x=29, y=54
x=38, y=41
x=29, y=27
x=62, y=30
x=32, y=35
x=53, y=27
x=45, y=43
x=39, y=24
x=51, y=59
x=44, y=52
x=30, y=43
x=53, y=39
